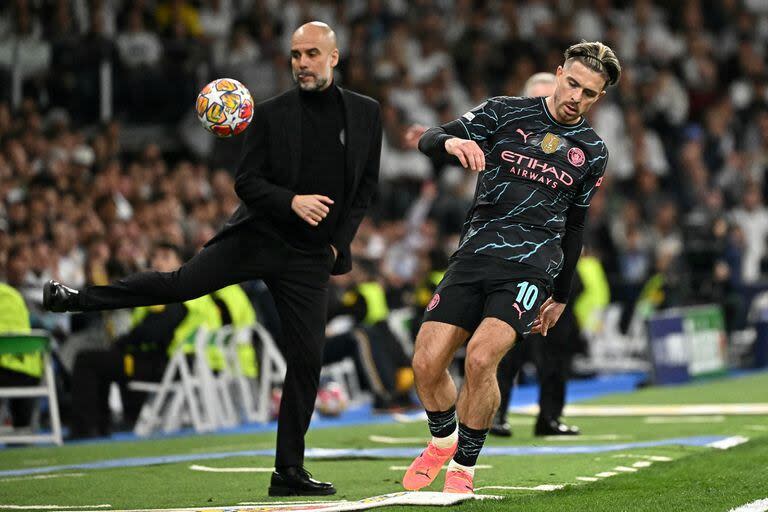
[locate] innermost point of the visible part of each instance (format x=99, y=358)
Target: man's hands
x=311, y=208
x=549, y=313
x=467, y=151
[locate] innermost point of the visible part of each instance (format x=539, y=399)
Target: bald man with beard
x=309, y=168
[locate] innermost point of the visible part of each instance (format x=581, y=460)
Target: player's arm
x=461, y=138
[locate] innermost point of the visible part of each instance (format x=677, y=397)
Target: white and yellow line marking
x=587, y=478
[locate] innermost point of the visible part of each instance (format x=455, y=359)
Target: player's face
x=313, y=58
x=578, y=88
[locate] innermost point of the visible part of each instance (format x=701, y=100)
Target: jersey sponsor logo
x=434, y=302
x=576, y=157
x=550, y=143
x=535, y=169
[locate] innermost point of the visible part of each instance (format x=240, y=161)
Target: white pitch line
x=755, y=506
x=403, y=468
x=684, y=419
x=595, y=437
x=587, y=478
x=728, y=442
x=759, y=428
x=51, y=507
x=659, y=410
x=398, y=440
x=654, y=458
x=543, y=487
x=642, y=464
x=195, y=467
x=606, y=474
x=409, y=418
x=625, y=469
x=41, y=477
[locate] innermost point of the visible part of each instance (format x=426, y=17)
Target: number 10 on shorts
x=527, y=294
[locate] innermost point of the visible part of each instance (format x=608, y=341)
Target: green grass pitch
x=663, y=478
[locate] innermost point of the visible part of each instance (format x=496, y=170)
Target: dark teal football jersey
x=536, y=169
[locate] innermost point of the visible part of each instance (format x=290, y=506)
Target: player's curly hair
x=597, y=57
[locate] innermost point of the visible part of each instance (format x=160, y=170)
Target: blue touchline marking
x=381, y=453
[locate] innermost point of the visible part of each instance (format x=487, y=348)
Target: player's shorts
x=483, y=286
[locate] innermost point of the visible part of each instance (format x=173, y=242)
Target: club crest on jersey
x=550, y=143
x=576, y=157
x=434, y=302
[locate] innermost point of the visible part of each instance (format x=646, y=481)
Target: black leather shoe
x=555, y=428
x=297, y=481
x=500, y=427
x=59, y=298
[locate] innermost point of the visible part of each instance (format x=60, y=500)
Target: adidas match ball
x=225, y=107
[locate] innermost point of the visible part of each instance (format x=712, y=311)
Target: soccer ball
x=225, y=107
x=332, y=399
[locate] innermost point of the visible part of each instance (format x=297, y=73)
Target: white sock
x=455, y=466
x=448, y=441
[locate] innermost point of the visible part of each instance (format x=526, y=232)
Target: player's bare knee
x=480, y=363
x=424, y=368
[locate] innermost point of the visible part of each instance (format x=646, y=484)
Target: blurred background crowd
x=101, y=155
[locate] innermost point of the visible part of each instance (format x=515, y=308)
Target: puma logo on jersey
x=525, y=135
x=519, y=311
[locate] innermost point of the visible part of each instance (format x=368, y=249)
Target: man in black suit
x=309, y=168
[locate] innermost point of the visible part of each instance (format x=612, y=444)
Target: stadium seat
x=36, y=341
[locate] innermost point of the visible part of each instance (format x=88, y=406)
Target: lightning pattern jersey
x=536, y=169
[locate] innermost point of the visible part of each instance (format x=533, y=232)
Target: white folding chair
x=215, y=383
x=31, y=343
x=178, y=398
x=232, y=341
x=272, y=369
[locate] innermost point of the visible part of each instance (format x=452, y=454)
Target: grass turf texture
x=696, y=479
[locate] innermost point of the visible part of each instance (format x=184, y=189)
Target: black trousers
x=92, y=375
x=298, y=282
x=552, y=357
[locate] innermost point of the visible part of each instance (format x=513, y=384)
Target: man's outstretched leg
x=478, y=401
x=436, y=344
x=216, y=266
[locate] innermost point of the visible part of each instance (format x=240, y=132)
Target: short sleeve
x=593, y=180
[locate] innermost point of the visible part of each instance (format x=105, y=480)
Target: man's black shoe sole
x=276, y=490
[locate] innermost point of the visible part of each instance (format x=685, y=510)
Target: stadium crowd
x=681, y=218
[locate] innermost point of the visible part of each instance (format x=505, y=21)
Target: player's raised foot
x=458, y=481
x=426, y=466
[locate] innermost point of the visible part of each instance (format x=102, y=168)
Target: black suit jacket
x=271, y=157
